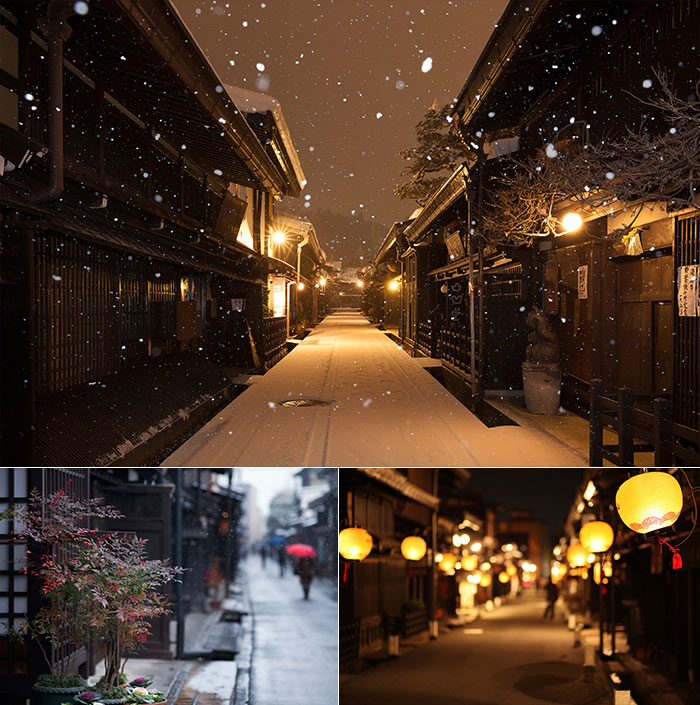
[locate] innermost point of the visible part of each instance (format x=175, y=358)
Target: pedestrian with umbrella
x=305, y=566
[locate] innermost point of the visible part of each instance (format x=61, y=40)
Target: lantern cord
x=695, y=510
x=677, y=562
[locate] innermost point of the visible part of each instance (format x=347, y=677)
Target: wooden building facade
x=136, y=199
x=615, y=309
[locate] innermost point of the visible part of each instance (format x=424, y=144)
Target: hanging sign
x=689, y=290
x=583, y=281
x=455, y=247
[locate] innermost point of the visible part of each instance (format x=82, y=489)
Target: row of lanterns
x=355, y=544
x=645, y=502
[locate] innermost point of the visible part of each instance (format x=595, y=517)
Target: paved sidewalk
x=510, y=656
x=295, y=641
x=382, y=409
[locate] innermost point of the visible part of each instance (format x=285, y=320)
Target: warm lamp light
x=470, y=562
x=577, y=555
x=360, y=283
x=354, y=544
x=393, y=285
x=300, y=286
x=485, y=580
x=511, y=570
x=649, y=501
x=571, y=222
x=278, y=237
x=448, y=562
x=503, y=577
x=413, y=548
x=322, y=281
x=596, y=536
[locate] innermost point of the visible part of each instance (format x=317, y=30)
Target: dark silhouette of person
x=552, y=596
x=306, y=575
x=263, y=555
x=282, y=559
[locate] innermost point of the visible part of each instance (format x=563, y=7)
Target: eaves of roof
x=164, y=28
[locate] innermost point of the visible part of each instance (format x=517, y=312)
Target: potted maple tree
x=54, y=529
x=120, y=593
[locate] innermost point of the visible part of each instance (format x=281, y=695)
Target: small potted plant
x=53, y=689
x=140, y=695
x=88, y=697
x=141, y=682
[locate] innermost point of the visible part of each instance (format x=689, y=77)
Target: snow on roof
x=252, y=102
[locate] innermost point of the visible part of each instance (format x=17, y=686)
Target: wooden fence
x=638, y=430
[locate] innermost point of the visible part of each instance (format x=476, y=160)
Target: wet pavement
x=295, y=641
x=370, y=389
x=510, y=656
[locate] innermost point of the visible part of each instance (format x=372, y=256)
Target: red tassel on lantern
x=345, y=572
x=676, y=561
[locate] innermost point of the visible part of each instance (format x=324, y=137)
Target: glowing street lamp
x=393, y=285
x=278, y=237
x=300, y=286
x=571, y=222
x=360, y=283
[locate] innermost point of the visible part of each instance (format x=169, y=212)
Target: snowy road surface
x=382, y=409
x=295, y=641
x=510, y=656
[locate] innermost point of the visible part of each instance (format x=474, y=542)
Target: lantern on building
x=577, y=555
x=413, y=548
x=596, y=536
x=354, y=544
x=448, y=562
x=649, y=501
x=485, y=580
x=511, y=570
x=503, y=577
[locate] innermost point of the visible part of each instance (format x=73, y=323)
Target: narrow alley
x=508, y=656
x=295, y=641
x=358, y=399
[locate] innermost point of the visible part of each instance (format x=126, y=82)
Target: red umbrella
x=302, y=550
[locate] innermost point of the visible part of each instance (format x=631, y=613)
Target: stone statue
x=544, y=344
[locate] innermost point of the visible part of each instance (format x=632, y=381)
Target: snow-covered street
x=379, y=407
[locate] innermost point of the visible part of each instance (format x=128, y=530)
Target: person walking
x=306, y=574
x=282, y=559
x=263, y=555
x=552, y=596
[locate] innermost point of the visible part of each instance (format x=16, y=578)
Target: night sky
x=547, y=493
x=350, y=76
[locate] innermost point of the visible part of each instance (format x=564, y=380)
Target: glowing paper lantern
x=503, y=577
x=596, y=536
x=576, y=555
x=596, y=573
x=448, y=562
x=354, y=544
x=485, y=580
x=649, y=501
x=413, y=548
x=470, y=562
x=511, y=570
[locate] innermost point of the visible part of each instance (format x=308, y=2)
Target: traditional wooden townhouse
x=554, y=80
x=136, y=205
x=297, y=273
